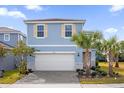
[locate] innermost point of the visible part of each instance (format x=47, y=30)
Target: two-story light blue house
x=55, y=50
x=9, y=38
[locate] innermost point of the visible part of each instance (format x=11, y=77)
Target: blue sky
x=108, y=19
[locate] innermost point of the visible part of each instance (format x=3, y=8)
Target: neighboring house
x=8, y=39
x=11, y=36
x=55, y=50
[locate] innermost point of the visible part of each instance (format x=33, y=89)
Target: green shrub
x=103, y=73
x=97, y=69
x=23, y=67
x=115, y=74
x=93, y=68
x=82, y=70
x=80, y=73
x=97, y=63
x=93, y=74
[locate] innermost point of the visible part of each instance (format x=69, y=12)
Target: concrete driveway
x=50, y=77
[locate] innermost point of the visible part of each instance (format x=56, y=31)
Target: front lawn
x=10, y=77
x=106, y=80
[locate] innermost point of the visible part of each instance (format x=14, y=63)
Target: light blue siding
x=54, y=35
x=13, y=39
x=44, y=49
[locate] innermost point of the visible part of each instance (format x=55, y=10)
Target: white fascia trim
x=54, y=52
x=54, y=22
x=53, y=45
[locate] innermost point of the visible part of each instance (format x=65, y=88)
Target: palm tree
x=87, y=41
x=119, y=51
x=110, y=49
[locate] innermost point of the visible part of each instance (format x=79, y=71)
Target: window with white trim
x=40, y=30
x=68, y=30
x=6, y=37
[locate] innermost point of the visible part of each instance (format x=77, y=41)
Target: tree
x=119, y=52
x=21, y=51
x=116, y=52
x=3, y=51
x=87, y=41
x=109, y=48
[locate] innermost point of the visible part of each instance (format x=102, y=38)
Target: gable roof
x=10, y=30
x=55, y=20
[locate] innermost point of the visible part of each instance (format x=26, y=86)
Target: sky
x=105, y=18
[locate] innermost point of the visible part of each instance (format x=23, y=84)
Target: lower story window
x=68, y=34
x=40, y=34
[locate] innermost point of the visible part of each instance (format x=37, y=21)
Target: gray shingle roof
x=7, y=30
x=55, y=20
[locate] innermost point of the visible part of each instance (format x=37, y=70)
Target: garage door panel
x=51, y=62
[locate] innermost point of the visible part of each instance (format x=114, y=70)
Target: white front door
x=55, y=62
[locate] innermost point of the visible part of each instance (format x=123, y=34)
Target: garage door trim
x=55, y=52
x=38, y=53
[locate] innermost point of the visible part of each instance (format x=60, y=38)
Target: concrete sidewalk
x=62, y=86
x=40, y=86
x=102, y=85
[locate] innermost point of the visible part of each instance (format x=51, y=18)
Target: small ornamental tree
x=21, y=51
x=3, y=51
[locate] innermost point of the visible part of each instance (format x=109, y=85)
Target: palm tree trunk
x=110, y=65
x=116, y=62
x=110, y=69
x=87, y=63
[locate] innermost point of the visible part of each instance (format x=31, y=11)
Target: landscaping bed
x=106, y=79
x=10, y=77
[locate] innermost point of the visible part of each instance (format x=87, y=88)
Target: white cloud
x=16, y=14
x=34, y=7
x=3, y=11
x=111, y=30
x=116, y=8
x=122, y=27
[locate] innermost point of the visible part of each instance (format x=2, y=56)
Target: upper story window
x=40, y=30
x=68, y=30
x=6, y=37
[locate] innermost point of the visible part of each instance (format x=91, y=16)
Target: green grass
x=10, y=77
x=107, y=80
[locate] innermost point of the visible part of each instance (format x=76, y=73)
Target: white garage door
x=54, y=62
